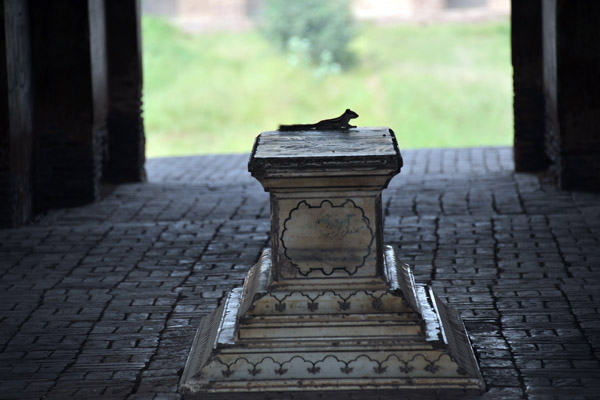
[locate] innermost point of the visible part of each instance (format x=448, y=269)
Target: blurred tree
x=311, y=31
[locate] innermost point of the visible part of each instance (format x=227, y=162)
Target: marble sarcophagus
x=328, y=307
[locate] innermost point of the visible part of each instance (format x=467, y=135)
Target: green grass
x=443, y=85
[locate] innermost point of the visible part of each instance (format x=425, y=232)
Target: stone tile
x=103, y=301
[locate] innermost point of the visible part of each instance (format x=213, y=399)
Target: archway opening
x=439, y=73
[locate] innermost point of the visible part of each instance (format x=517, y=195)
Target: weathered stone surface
x=264, y=339
x=325, y=192
x=325, y=189
x=327, y=310
x=367, y=157
x=322, y=236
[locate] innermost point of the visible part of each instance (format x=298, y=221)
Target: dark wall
x=125, y=159
x=572, y=86
x=99, y=80
x=552, y=131
x=556, y=64
x=70, y=100
x=528, y=84
x=16, y=110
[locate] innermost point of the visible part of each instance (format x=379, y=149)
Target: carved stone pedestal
x=329, y=308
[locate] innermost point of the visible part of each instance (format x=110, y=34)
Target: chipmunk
x=339, y=123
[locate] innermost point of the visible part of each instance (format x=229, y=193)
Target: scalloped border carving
x=350, y=269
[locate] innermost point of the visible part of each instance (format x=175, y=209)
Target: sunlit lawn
x=437, y=86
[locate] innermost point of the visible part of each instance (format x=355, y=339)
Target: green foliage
x=435, y=85
x=315, y=32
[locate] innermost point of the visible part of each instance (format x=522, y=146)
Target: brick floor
x=103, y=301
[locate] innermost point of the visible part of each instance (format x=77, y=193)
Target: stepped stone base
x=386, y=338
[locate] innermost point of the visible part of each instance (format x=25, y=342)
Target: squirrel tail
x=297, y=127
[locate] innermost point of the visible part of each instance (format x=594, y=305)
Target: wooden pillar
x=69, y=68
x=16, y=108
x=125, y=134
x=572, y=88
x=528, y=103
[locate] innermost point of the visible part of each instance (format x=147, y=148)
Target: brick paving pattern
x=103, y=301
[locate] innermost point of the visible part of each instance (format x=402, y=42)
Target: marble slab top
x=369, y=147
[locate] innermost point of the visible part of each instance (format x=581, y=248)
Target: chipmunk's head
x=351, y=113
